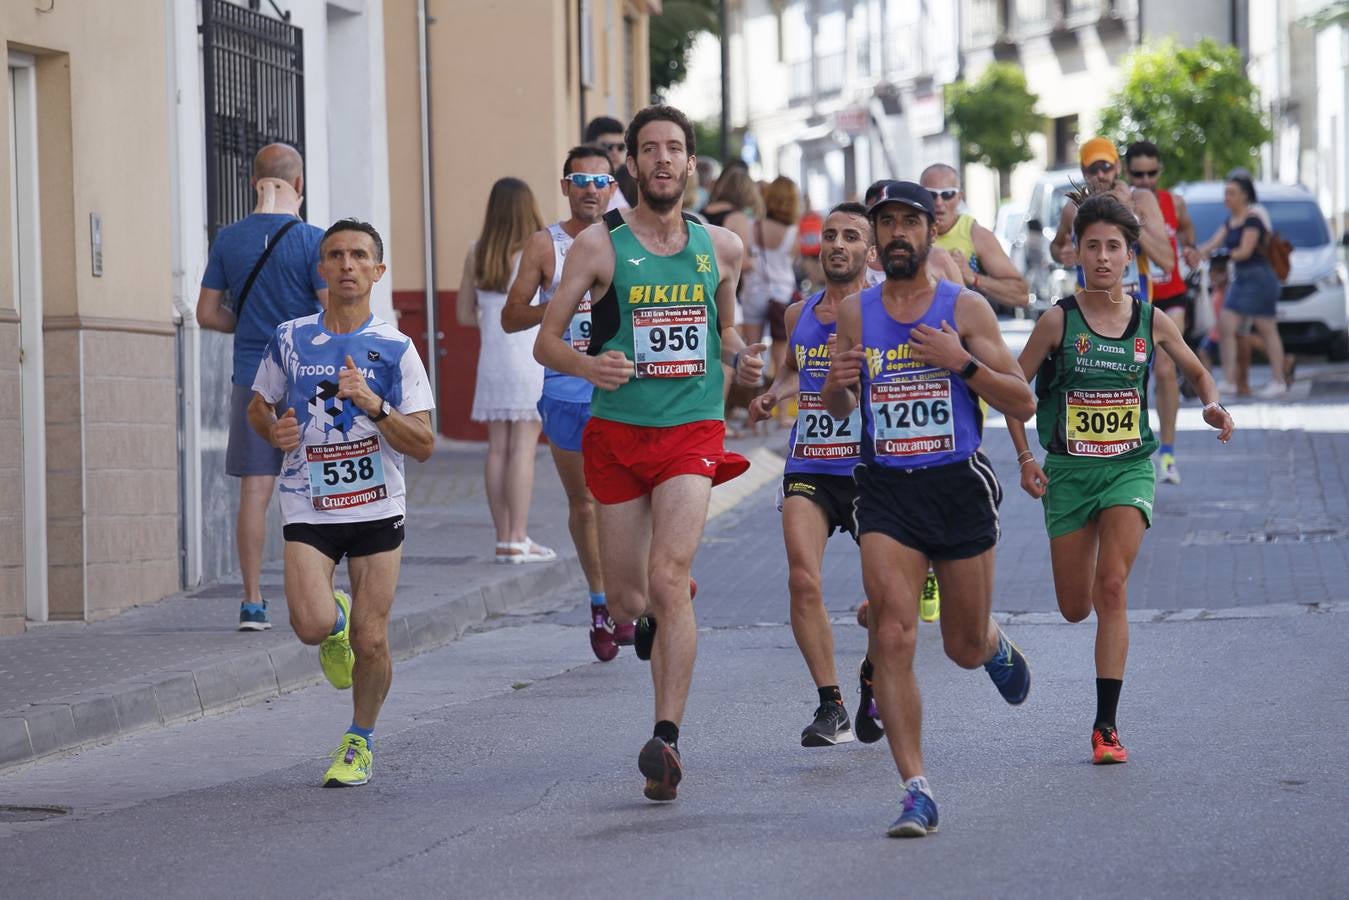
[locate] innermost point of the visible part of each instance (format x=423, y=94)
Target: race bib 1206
x=912, y=417
x=345, y=475
x=670, y=342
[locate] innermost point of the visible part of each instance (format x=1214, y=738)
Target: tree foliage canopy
x=1195, y=103
x=994, y=117
x=672, y=35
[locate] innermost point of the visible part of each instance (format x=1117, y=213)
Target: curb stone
x=171, y=697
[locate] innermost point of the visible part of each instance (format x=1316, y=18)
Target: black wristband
x=970, y=368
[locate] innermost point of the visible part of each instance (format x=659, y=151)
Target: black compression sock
x=667, y=732
x=830, y=694
x=1107, y=700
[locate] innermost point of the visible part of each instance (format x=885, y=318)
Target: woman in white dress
x=510, y=381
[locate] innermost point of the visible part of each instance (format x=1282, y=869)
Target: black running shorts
x=946, y=512
x=832, y=493
x=348, y=538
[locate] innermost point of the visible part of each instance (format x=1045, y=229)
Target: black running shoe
x=869, y=729
x=660, y=763
x=831, y=726
x=644, y=636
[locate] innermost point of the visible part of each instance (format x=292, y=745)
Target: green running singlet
x=661, y=312
x=1093, y=391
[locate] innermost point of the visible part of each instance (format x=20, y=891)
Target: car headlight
x=1333, y=280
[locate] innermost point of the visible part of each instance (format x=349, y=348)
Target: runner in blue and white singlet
x=558, y=385
x=564, y=407
x=343, y=470
x=344, y=396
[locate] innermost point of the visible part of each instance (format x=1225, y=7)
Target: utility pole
x=724, y=20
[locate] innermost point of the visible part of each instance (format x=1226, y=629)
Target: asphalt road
x=506, y=762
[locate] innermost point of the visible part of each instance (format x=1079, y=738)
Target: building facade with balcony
x=832, y=93
x=1071, y=53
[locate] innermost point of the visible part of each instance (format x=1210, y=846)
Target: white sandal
x=527, y=551
x=504, y=553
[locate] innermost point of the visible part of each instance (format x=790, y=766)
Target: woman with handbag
x=1254, y=290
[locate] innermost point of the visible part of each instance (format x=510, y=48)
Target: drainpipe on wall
x=428, y=215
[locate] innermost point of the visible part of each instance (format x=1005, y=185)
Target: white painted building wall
x=346, y=165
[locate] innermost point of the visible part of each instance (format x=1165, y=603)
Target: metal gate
x=253, y=67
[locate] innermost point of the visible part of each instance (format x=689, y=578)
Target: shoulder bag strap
x=262, y=261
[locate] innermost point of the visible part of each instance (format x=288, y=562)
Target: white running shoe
x=1272, y=390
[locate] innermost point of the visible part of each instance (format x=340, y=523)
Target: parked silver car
x=1313, y=308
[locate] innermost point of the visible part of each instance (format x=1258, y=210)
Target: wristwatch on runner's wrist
x=970, y=368
x=384, y=410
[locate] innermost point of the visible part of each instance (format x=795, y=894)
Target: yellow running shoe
x=929, y=603
x=335, y=655
x=352, y=763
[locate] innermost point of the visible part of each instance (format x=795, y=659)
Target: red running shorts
x=624, y=462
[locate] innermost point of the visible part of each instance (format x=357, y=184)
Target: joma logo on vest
x=666, y=293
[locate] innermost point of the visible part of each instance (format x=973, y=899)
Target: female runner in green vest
x=1090, y=356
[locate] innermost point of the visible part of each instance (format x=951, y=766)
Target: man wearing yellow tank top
x=984, y=266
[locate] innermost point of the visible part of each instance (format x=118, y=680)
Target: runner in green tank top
x=654, y=446
x=1091, y=353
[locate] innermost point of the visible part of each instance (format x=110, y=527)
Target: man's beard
x=849, y=275
x=662, y=204
x=903, y=269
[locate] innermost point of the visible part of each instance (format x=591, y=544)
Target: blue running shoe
x=1010, y=672
x=919, y=818
x=253, y=617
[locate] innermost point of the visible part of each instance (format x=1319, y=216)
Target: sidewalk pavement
x=68, y=685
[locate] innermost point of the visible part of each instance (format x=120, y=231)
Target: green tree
x=993, y=119
x=1195, y=103
x=672, y=34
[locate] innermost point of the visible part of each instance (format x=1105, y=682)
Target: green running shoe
x=352, y=763
x=335, y=655
x=929, y=602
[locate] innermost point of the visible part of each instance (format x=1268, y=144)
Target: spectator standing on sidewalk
x=510, y=382
x=771, y=285
x=1254, y=289
x=267, y=263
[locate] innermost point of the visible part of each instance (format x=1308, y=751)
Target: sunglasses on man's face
x=1150, y=173
x=613, y=147
x=581, y=179
x=947, y=194
x=1100, y=167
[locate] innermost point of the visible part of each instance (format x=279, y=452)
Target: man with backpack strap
x=268, y=264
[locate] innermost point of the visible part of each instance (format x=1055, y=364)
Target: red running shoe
x=660, y=763
x=602, y=633
x=1105, y=746
x=623, y=633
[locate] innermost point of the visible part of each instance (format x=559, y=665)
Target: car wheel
x=1337, y=349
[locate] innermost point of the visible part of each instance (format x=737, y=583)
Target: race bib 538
x=345, y=475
